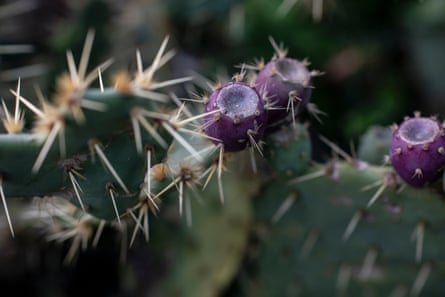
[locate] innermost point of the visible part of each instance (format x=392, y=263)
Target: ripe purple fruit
x=417, y=150
x=285, y=82
x=241, y=119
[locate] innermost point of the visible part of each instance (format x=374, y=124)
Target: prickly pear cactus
x=121, y=154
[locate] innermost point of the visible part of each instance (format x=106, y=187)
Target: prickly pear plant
x=113, y=156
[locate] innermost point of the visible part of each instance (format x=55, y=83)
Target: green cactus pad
x=329, y=243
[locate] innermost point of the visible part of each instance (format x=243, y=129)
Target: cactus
x=114, y=156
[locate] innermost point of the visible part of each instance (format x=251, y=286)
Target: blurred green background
x=382, y=59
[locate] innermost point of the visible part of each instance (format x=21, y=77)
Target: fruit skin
x=283, y=79
x=417, y=150
x=242, y=118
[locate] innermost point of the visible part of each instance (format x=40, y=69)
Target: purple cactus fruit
x=417, y=150
x=241, y=119
x=284, y=81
